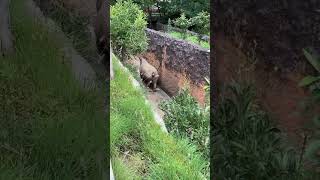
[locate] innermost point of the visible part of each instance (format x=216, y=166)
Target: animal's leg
x=149, y=83
x=155, y=80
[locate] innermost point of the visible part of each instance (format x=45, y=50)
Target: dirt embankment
x=272, y=33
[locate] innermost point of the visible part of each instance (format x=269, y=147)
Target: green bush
x=185, y=118
x=191, y=8
x=313, y=83
x=202, y=24
x=245, y=144
x=183, y=23
x=128, y=24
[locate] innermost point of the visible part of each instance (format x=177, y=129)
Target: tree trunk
x=6, y=38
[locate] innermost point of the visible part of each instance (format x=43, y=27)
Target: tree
x=128, y=24
x=191, y=8
x=202, y=24
x=183, y=23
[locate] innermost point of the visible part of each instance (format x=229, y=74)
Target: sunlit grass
x=190, y=38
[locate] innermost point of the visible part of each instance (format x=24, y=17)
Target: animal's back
x=147, y=68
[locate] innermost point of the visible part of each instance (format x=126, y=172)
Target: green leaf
x=312, y=59
x=238, y=145
x=308, y=80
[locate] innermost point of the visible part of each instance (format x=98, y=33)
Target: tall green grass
x=152, y=154
x=50, y=128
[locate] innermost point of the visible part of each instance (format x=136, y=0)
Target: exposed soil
x=278, y=93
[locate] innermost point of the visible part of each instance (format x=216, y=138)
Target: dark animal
x=148, y=74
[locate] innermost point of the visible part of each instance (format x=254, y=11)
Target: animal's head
x=154, y=75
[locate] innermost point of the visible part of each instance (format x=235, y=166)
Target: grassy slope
x=152, y=153
x=190, y=38
x=49, y=127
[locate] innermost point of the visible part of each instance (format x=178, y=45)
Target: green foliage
x=313, y=83
x=169, y=27
x=202, y=24
x=191, y=8
x=313, y=149
x=47, y=131
x=134, y=131
x=183, y=23
x=128, y=25
x=145, y=3
x=185, y=118
x=313, y=59
x=190, y=38
x=246, y=145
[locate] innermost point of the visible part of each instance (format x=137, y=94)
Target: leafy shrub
x=191, y=8
x=185, y=118
x=245, y=144
x=128, y=24
x=183, y=23
x=202, y=24
x=313, y=83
